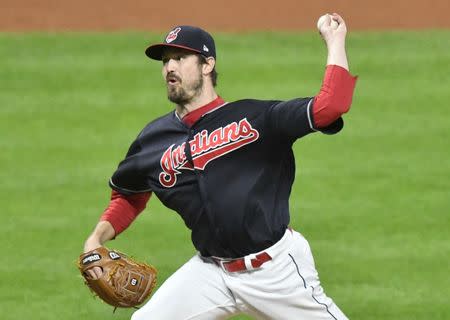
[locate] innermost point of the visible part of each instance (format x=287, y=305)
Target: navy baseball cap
x=185, y=37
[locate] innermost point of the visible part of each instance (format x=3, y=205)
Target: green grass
x=373, y=201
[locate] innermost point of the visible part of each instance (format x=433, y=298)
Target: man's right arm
x=120, y=213
x=103, y=232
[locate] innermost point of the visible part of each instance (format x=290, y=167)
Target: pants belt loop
x=248, y=261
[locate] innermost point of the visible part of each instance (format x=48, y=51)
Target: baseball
x=334, y=24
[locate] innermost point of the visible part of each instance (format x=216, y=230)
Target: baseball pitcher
x=227, y=169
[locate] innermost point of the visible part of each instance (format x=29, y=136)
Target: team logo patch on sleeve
x=205, y=147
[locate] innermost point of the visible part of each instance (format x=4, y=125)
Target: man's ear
x=208, y=67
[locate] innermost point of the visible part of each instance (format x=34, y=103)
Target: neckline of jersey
x=193, y=116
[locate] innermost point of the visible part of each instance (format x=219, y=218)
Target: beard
x=181, y=94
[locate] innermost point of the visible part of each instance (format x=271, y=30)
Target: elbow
x=335, y=96
x=341, y=107
x=328, y=110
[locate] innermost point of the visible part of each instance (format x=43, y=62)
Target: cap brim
x=155, y=51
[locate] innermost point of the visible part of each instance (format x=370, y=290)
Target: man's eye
x=175, y=57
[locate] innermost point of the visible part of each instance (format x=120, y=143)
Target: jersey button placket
x=200, y=176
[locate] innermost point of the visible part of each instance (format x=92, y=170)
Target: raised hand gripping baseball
x=331, y=27
x=333, y=30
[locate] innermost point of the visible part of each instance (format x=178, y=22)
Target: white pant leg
x=195, y=291
x=286, y=287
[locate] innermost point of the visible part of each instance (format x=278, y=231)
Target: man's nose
x=171, y=65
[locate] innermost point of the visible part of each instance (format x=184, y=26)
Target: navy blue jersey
x=229, y=175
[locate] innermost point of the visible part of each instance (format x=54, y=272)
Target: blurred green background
x=373, y=201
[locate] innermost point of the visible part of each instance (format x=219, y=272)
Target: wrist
x=337, y=56
x=336, y=47
x=92, y=243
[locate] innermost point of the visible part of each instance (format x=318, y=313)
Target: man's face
x=183, y=74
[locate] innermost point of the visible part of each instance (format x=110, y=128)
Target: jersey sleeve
x=124, y=209
x=129, y=178
x=335, y=96
x=332, y=128
x=294, y=118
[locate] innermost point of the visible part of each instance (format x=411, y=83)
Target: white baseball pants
x=286, y=287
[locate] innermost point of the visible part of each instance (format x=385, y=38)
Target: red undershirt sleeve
x=335, y=96
x=123, y=209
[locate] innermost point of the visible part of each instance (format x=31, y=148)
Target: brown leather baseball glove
x=124, y=282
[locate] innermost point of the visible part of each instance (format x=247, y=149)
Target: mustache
x=172, y=76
